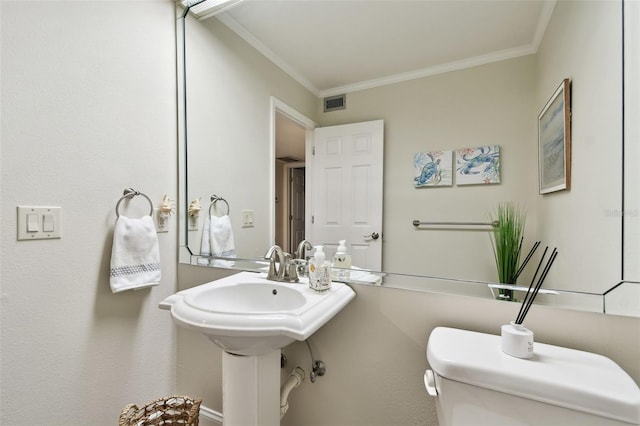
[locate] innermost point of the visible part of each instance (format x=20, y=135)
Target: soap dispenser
x=341, y=261
x=319, y=271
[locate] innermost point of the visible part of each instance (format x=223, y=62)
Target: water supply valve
x=319, y=369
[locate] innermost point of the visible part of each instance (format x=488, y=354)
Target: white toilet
x=475, y=383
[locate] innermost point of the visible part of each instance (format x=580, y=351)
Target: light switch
x=38, y=223
x=247, y=218
x=33, y=225
x=48, y=222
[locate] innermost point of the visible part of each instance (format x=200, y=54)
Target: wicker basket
x=172, y=410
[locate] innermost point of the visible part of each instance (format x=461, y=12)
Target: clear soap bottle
x=342, y=262
x=319, y=271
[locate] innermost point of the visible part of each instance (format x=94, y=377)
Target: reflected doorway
x=296, y=206
x=290, y=156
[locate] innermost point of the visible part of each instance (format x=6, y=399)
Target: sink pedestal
x=251, y=389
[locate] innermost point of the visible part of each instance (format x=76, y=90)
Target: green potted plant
x=508, y=232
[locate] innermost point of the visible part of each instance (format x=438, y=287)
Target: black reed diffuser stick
x=531, y=286
x=539, y=284
x=528, y=301
x=526, y=260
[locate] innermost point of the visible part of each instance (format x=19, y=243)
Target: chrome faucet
x=304, y=244
x=286, y=269
x=300, y=261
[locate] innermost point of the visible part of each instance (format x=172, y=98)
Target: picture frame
x=554, y=141
x=433, y=168
x=478, y=165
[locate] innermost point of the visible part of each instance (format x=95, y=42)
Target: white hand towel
x=135, y=256
x=205, y=246
x=217, y=237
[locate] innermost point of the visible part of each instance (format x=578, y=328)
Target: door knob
x=373, y=236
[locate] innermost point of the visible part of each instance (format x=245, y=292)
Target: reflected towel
x=217, y=237
x=135, y=256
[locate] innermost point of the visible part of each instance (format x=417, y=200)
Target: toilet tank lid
x=555, y=375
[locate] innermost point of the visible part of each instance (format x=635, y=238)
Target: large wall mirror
x=250, y=102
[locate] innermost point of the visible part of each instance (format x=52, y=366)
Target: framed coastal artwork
x=554, y=141
x=478, y=165
x=433, y=169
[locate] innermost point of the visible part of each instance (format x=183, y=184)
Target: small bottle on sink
x=342, y=262
x=319, y=271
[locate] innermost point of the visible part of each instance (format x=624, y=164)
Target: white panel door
x=346, y=191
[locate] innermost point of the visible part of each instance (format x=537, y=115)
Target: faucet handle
x=291, y=269
x=302, y=267
x=292, y=272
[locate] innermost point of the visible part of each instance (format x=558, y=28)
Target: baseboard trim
x=210, y=414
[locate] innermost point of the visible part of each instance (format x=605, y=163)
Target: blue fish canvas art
x=433, y=168
x=478, y=166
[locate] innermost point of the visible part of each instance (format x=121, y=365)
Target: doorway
x=291, y=145
x=296, y=205
x=363, y=205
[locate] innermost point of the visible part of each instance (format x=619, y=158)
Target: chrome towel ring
x=214, y=200
x=129, y=193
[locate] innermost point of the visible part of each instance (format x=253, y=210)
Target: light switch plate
x=35, y=229
x=193, y=224
x=161, y=221
x=247, y=218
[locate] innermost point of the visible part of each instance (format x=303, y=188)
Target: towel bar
x=129, y=193
x=494, y=224
x=214, y=200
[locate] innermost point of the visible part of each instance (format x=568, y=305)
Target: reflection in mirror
x=231, y=121
x=289, y=182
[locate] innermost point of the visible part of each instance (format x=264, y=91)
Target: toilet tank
x=475, y=383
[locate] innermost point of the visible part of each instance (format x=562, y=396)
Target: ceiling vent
x=333, y=103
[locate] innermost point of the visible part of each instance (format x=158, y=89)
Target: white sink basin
x=247, y=298
x=246, y=314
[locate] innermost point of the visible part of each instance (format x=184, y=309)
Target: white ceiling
x=340, y=46
x=337, y=46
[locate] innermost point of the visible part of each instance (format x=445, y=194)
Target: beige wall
x=584, y=43
x=375, y=348
x=88, y=109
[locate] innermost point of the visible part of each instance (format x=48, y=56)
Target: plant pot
x=505, y=294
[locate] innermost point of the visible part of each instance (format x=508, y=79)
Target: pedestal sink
x=252, y=318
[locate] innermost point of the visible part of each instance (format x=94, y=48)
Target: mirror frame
x=596, y=302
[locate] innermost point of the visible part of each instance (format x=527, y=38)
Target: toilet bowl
x=475, y=383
